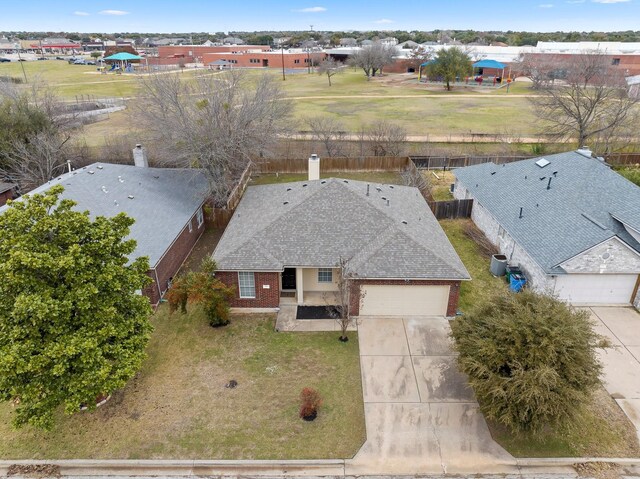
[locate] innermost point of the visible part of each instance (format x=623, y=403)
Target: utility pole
x=282, y=53
x=18, y=46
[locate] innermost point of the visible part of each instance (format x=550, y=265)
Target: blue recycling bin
x=517, y=281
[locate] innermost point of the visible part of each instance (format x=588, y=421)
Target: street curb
x=117, y=467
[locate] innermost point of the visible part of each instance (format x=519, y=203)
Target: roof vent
x=378, y=189
x=120, y=179
x=285, y=203
x=323, y=182
x=130, y=197
x=542, y=162
x=115, y=202
x=104, y=189
x=100, y=167
x=493, y=173
x=391, y=186
x=404, y=222
x=288, y=189
x=91, y=172
x=345, y=181
x=384, y=198
x=304, y=185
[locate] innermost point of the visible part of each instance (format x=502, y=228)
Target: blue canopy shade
x=123, y=56
x=427, y=63
x=489, y=64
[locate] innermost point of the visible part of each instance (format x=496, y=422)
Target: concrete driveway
x=421, y=416
x=622, y=362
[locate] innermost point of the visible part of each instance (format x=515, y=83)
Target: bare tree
x=329, y=67
x=219, y=123
x=373, y=58
x=420, y=55
x=342, y=312
x=328, y=131
x=36, y=131
x=539, y=68
x=592, y=99
x=413, y=177
x=386, y=139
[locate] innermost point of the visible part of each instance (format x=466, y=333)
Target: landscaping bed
x=178, y=405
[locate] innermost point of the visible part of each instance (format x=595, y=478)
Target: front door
x=289, y=279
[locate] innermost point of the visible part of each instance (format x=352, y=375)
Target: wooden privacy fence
x=622, y=159
x=301, y=165
x=448, y=162
x=451, y=209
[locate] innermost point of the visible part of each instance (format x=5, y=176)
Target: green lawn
x=178, y=407
x=631, y=173
x=430, y=115
x=384, y=177
x=483, y=284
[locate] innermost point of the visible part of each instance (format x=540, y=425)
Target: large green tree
x=72, y=327
x=449, y=64
x=530, y=358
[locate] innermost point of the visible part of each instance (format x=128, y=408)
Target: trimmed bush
x=310, y=402
x=530, y=358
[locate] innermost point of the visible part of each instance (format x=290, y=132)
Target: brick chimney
x=314, y=167
x=140, y=156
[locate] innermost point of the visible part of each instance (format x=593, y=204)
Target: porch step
x=287, y=294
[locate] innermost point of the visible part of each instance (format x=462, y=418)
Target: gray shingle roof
x=6, y=186
x=575, y=214
x=164, y=199
x=314, y=223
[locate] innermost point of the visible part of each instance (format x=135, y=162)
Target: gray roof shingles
x=559, y=223
x=315, y=223
x=164, y=199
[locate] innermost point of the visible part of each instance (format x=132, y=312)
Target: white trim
x=614, y=237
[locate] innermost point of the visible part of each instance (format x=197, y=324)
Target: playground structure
x=486, y=73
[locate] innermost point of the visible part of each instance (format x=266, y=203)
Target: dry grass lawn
x=178, y=406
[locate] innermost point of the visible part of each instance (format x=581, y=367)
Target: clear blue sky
x=225, y=15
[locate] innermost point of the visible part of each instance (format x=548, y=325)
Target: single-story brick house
x=568, y=220
x=287, y=240
x=7, y=192
x=166, y=204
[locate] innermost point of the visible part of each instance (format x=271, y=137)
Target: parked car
x=80, y=61
x=4, y=60
x=42, y=58
x=60, y=58
x=90, y=62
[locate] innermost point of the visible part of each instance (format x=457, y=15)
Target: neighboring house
x=288, y=240
x=7, y=192
x=634, y=86
x=570, y=222
x=166, y=204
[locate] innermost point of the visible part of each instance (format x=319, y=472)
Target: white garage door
x=404, y=300
x=596, y=288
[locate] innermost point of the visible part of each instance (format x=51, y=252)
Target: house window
x=190, y=227
x=325, y=275
x=296, y=61
x=200, y=217
x=247, y=284
x=615, y=61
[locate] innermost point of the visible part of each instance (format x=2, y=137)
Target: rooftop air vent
x=304, y=185
x=378, y=189
x=384, y=198
x=91, y=172
x=493, y=173
x=100, y=167
x=542, y=162
x=345, y=181
x=130, y=197
x=391, y=186
x=323, y=182
x=288, y=189
x=404, y=222
x=285, y=203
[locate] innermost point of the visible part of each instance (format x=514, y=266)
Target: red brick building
x=266, y=59
x=7, y=192
x=286, y=243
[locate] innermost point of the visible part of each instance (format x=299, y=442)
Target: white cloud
x=546, y=5
x=610, y=1
x=575, y=2
x=113, y=12
x=311, y=10
x=384, y=21
x=81, y=14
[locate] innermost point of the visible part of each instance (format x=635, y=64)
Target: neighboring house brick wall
x=172, y=260
x=7, y=195
x=265, y=297
x=454, y=291
x=636, y=302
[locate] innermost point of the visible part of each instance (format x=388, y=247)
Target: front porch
x=309, y=286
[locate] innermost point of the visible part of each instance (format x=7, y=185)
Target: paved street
x=420, y=414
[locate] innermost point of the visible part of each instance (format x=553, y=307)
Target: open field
x=178, y=406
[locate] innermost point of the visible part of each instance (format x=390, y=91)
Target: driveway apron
x=421, y=416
